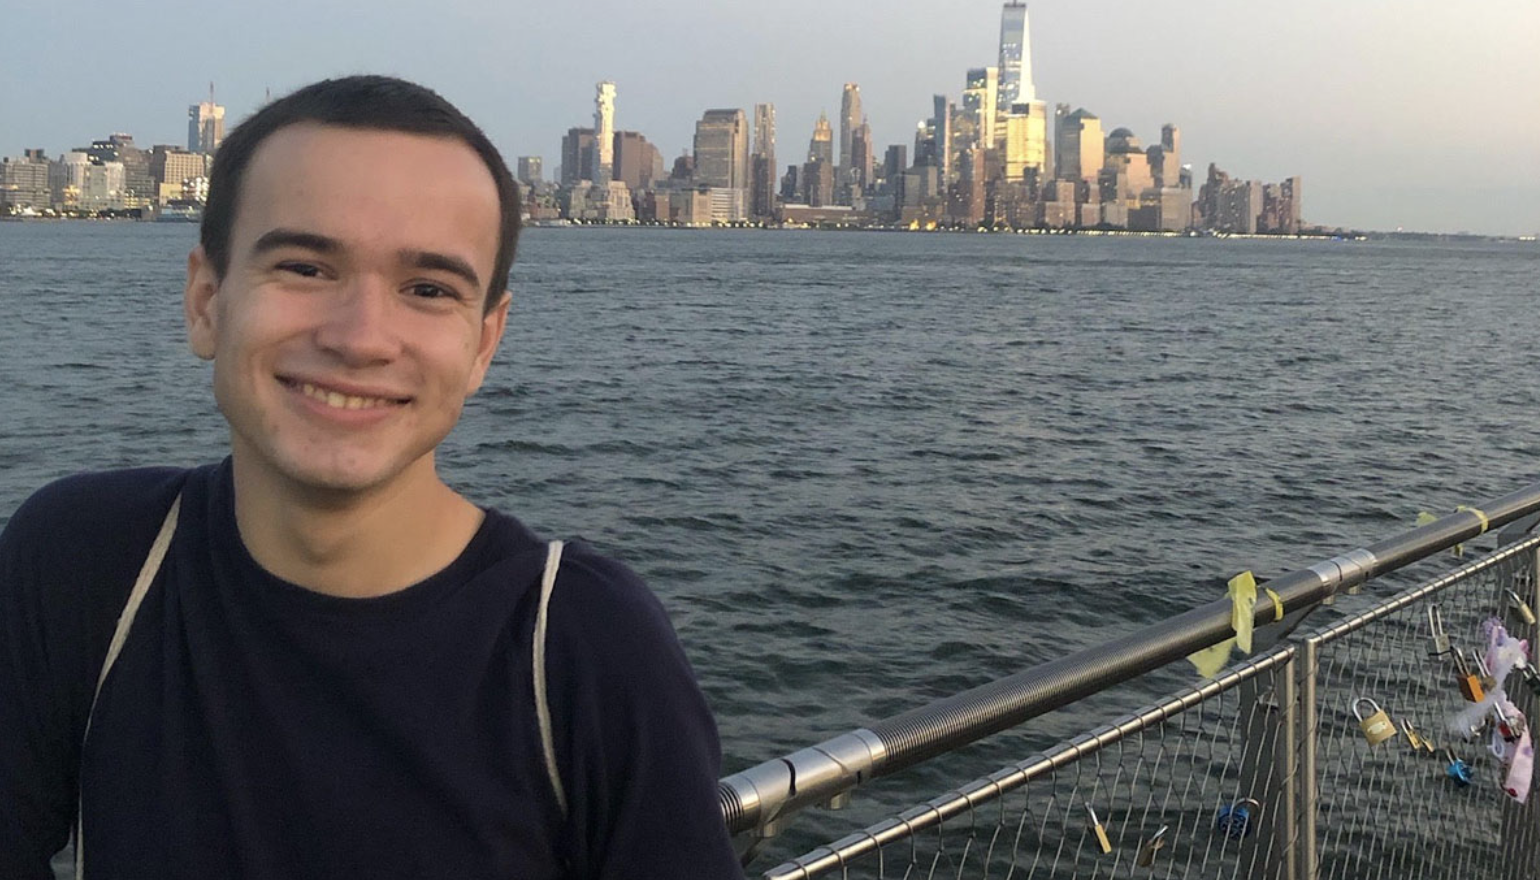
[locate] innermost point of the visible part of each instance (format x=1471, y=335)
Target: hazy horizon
x=1411, y=114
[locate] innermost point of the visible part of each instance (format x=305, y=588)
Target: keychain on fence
x=1149, y=848
x=1377, y=727
x=1101, y=833
x=1234, y=821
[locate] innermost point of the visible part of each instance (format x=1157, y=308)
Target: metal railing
x=1274, y=736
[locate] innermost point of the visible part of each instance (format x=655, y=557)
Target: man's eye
x=428, y=290
x=304, y=270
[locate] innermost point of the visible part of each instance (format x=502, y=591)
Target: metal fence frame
x=759, y=800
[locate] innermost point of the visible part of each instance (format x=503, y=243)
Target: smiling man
x=316, y=659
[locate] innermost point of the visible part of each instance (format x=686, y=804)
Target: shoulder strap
x=147, y=573
x=542, y=702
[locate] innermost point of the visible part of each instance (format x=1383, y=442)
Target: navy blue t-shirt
x=252, y=728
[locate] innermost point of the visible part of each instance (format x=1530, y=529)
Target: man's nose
x=359, y=325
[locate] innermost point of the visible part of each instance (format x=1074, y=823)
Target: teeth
x=338, y=400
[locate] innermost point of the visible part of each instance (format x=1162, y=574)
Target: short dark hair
x=380, y=103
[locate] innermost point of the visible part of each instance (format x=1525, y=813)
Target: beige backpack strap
x=147, y=573
x=542, y=702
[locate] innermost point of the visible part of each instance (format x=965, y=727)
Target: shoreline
x=1321, y=235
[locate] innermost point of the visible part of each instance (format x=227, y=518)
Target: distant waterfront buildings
x=998, y=158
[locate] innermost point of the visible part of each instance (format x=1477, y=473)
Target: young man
x=315, y=659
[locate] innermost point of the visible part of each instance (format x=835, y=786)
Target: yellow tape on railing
x=1243, y=597
x=1485, y=523
x=1277, y=603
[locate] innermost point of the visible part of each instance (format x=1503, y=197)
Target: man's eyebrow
x=274, y=239
x=443, y=262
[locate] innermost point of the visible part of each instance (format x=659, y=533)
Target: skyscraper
x=762, y=165
x=604, y=132
x=529, y=169
x=1079, y=147
x=822, y=144
x=1015, y=56
x=941, y=122
x=722, y=150
x=637, y=162
x=205, y=125
x=1026, y=142
x=979, y=99
x=862, y=156
x=850, y=118
x=578, y=156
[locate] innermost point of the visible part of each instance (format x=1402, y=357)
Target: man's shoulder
x=97, y=505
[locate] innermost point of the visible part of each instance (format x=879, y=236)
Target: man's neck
x=355, y=545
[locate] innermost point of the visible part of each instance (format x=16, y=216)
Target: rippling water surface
x=868, y=469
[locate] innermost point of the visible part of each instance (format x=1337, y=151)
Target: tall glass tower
x=1015, y=56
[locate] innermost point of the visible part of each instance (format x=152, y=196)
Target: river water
x=864, y=470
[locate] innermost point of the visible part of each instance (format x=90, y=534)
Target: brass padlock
x=1412, y=736
x=1470, y=683
x=1101, y=833
x=1377, y=727
x=1149, y=848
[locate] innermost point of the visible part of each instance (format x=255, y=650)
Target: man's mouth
x=338, y=400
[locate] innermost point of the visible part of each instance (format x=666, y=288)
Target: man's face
x=350, y=326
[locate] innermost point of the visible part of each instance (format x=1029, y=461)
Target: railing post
x=1266, y=702
x=1286, y=769
x=1307, y=665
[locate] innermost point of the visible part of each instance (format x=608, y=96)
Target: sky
x=1414, y=114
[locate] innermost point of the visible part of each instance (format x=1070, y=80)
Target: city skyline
x=1340, y=94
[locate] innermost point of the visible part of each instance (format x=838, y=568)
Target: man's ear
x=198, y=303
x=492, y=326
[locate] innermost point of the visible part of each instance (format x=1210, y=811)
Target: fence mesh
x=1392, y=809
x=1276, y=737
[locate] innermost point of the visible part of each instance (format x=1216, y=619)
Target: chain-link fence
x=1264, y=771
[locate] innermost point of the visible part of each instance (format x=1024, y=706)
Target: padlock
x=1458, y=770
x=1526, y=613
x=1101, y=833
x=1441, y=643
x=1487, y=680
x=1234, y=821
x=1377, y=727
x=1470, y=684
x=1412, y=737
x=1149, y=848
